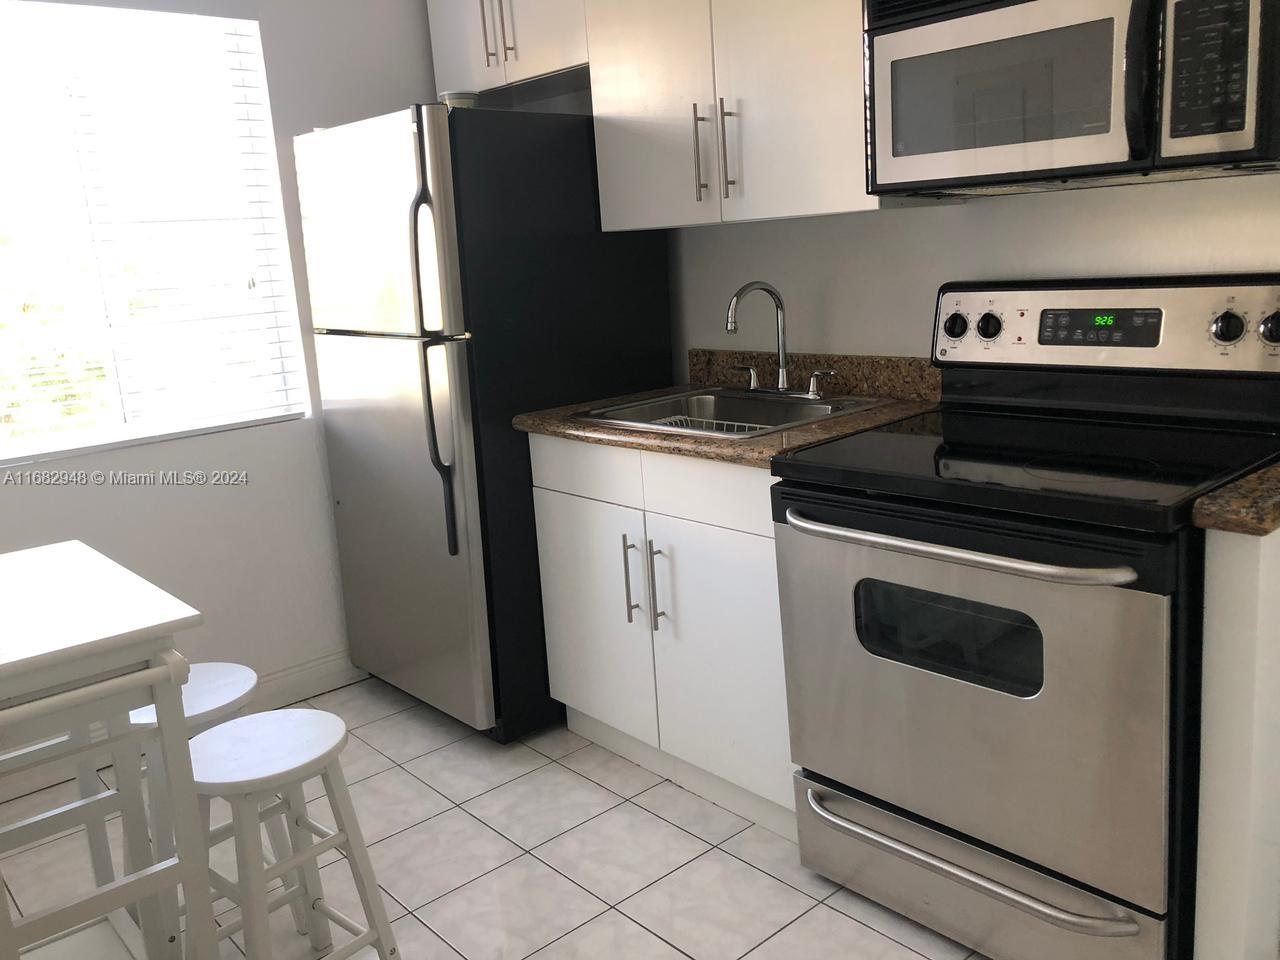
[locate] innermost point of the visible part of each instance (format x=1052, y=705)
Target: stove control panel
x=1231, y=325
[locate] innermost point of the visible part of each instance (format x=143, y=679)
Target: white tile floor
x=554, y=849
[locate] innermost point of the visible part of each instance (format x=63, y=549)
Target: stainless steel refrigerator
x=458, y=276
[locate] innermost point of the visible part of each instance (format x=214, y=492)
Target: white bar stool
x=213, y=693
x=258, y=764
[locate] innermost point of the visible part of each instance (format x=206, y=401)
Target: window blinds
x=145, y=280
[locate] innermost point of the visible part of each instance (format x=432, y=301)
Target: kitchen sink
x=725, y=413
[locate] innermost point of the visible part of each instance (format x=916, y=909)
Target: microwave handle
x=1140, y=77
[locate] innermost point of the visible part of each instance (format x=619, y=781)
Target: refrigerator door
x=395, y=398
x=356, y=185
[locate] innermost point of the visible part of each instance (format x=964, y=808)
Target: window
x=145, y=281
x=962, y=639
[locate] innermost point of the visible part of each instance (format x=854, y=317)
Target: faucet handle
x=755, y=377
x=815, y=382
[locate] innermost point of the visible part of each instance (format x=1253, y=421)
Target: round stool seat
x=264, y=751
x=213, y=692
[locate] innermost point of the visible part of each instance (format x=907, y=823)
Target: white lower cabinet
x=722, y=702
x=599, y=653
x=706, y=684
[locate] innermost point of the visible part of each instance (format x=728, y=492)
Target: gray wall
x=259, y=561
x=866, y=283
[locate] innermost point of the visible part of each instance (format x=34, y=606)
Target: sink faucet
x=731, y=322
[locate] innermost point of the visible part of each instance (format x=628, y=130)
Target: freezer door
x=357, y=185
x=416, y=614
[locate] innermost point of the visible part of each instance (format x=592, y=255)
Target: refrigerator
x=458, y=276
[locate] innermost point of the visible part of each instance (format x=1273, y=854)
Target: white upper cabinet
x=480, y=44
x=541, y=36
x=653, y=95
x=464, y=45
x=789, y=139
x=790, y=78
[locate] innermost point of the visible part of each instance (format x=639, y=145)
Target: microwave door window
x=1051, y=85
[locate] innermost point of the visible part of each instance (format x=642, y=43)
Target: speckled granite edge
x=897, y=378
x=1250, y=506
x=753, y=451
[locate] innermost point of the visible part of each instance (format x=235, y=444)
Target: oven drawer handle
x=1079, y=576
x=1119, y=926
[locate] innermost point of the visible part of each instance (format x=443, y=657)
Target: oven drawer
x=987, y=902
x=1028, y=714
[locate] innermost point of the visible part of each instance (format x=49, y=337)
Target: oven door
x=1022, y=92
x=1021, y=703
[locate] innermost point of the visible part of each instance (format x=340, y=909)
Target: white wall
x=260, y=561
x=867, y=283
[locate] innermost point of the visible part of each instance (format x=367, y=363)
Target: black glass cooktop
x=1139, y=475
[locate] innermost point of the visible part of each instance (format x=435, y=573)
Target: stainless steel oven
x=990, y=614
x=967, y=98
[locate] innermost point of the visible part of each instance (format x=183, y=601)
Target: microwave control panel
x=1210, y=65
x=1229, y=327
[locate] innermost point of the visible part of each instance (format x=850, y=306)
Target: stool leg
x=138, y=853
x=317, y=924
x=282, y=849
x=162, y=841
x=251, y=878
x=99, y=849
x=344, y=815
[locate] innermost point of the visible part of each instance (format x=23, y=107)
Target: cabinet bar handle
x=627, y=547
x=655, y=613
x=724, y=150
x=502, y=22
x=698, y=183
x=489, y=55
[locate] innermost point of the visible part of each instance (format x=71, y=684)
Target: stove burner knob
x=1269, y=329
x=957, y=325
x=1227, y=327
x=989, y=326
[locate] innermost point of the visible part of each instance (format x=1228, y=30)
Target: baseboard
x=694, y=779
x=306, y=679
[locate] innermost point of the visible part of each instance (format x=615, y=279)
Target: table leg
x=138, y=852
x=189, y=838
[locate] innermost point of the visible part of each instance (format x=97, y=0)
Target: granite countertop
x=908, y=386
x=750, y=451
x=1251, y=505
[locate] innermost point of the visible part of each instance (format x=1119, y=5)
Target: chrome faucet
x=731, y=322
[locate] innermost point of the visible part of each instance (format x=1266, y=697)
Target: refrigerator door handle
x=421, y=199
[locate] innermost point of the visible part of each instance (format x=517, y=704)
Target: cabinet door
x=651, y=76
x=541, y=36
x=722, y=702
x=598, y=662
x=791, y=78
x=466, y=46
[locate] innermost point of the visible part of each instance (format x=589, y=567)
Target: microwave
x=990, y=97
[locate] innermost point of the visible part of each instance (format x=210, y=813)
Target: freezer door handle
x=430, y=338
x=1122, y=925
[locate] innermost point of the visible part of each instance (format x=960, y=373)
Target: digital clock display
x=1120, y=327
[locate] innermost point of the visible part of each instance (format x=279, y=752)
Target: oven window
x=963, y=639
x=1051, y=85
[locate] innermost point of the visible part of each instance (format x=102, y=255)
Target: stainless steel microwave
x=981, y=97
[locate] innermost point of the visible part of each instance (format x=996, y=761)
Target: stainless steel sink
x=721, y=412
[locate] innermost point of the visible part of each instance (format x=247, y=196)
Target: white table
x=84, y=640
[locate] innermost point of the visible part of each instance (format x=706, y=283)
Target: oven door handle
x=1078, y=576
x=1122, y=925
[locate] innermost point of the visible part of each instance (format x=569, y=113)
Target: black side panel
x=559, y=313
